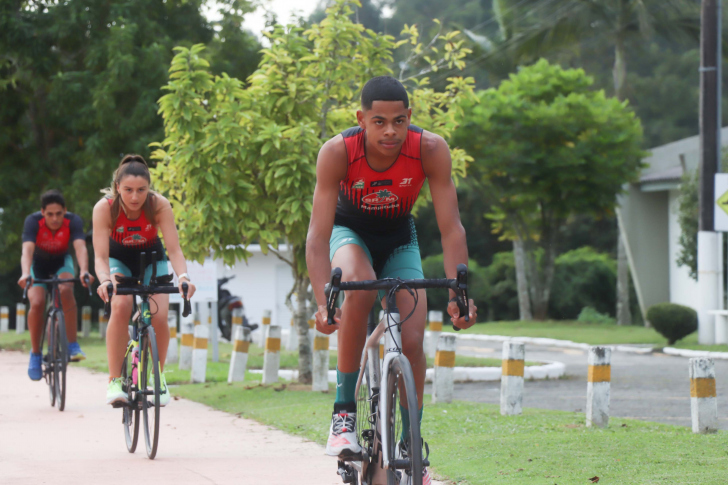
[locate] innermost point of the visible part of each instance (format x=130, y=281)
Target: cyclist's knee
x=37, y=300
x=412, y=343
x=121, y=305
x=66, y=290
x=360, y=298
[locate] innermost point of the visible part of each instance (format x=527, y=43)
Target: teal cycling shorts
x=66, y=268
x=116, y=266
x=401, y=262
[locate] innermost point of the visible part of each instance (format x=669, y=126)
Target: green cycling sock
x=346, y=386
x=406, y=421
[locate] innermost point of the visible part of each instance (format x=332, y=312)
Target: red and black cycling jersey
x=130, y=237
x=379, y=204
x=51, y=247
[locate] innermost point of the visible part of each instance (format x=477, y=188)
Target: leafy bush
x=673, y=321
x=590, y=315
x=433, y=267
x=583, y=278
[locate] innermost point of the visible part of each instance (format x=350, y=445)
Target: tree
x=238, y=161
x=79, y=81
x=546, y=147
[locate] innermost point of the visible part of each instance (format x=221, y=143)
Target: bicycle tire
x=150, y=408
x=60, y=362
x=363, y=424
x=400, y=379
x=130, y=416
x=47, y=357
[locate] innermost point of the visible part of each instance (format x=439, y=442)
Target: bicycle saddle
x=127, y=280
x=163, y=280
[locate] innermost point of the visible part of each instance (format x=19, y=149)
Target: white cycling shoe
x=343, y=441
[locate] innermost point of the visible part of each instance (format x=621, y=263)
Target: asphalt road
x=652, y=387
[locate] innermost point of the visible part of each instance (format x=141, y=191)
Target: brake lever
x=187, y=307
x=86, y=280
x=461, y=292
x=107, y=305
x=28, y=284
x=332, y=291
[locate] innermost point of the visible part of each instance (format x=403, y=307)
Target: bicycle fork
x=392, y=349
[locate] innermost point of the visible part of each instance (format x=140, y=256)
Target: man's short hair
x=383, y=88
x=52, y=197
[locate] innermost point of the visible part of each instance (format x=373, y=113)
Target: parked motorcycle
x=226, y=303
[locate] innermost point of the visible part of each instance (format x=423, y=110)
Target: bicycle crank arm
x=347, y=473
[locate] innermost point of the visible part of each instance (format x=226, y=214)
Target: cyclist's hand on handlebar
x=23, y=281
x=91, y=279
x=459, y=320
x=190, y=288
x=102, y=290
x=322, y=318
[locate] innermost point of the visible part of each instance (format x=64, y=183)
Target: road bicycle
x=381, y=386
x=140, y=369
x=55, y=348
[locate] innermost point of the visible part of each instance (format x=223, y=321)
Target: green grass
x=473, y=444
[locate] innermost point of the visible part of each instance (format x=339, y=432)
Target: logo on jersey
x=381, y=183
x=359, y=184
x=135, y=229
x=120, y=229
x=406, y=183
x=148, y=228
x=383, y=197
x=133, y=240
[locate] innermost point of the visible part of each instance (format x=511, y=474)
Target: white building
x=650, y=222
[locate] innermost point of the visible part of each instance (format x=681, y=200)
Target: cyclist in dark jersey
x=126, y=223
x=367, y=181
x=46, y=237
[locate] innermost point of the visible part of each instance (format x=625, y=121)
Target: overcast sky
x=255, y=22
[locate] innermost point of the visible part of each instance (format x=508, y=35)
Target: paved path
x=653, y=387
x=85, y=443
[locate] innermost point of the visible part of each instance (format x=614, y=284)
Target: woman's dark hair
x=134, y=166
x=52, y=197
x=383, y=88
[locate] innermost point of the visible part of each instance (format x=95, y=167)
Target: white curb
x=695, y=353
x=551, y=370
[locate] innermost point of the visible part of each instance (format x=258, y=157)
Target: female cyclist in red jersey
x=126, y=223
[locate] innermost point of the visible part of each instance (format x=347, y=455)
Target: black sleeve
x=76, y=228
x=30, y=229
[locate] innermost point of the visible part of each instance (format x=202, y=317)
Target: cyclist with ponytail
x=127, y=222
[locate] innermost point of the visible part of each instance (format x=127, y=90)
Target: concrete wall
x=683, y=289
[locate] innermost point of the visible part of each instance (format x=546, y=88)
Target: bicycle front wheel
x=60, y=358
x=401, y=388
x=130, y=418
x=149, y=389
x=365, y=431
x=46, y=349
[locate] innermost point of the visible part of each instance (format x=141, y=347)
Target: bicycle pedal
x=346, y=472
x=353, y=457
x=119, y=404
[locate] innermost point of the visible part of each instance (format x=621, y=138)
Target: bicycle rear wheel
x=401, y=386
x=60, y=358
x=150, y=390
x=46, y=350
x=365, y=430
x=130, y=418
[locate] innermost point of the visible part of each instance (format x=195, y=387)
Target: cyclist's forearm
x=26, y=261
x=319, y=267
x=103, y=273
x=455, y=251
x=81, y=256
x=179, y=264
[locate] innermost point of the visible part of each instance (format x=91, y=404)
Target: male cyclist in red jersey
x=46, y=237
x=367, y=181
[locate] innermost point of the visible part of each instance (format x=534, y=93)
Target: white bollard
x=292, y=342
x=239, y=358
x=703, y=400
x=214, y=331
x=312, y=330
x=86, y=321
x=265, y=325
x=4, y=318
x=512, y=378
x=320, y=362
x=597, y=389
x=20, y=318
x=272, y=357
x=435, y=318
x=186, y=343
x=102, y=324
x=443, y=383
x=199, y=353
x=172, y=352
x=196, y=315
x=236, y=322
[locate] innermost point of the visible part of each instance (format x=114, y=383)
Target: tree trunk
x=524, y=302
x=540, y=274
x=300, y=317
x=624, y=316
